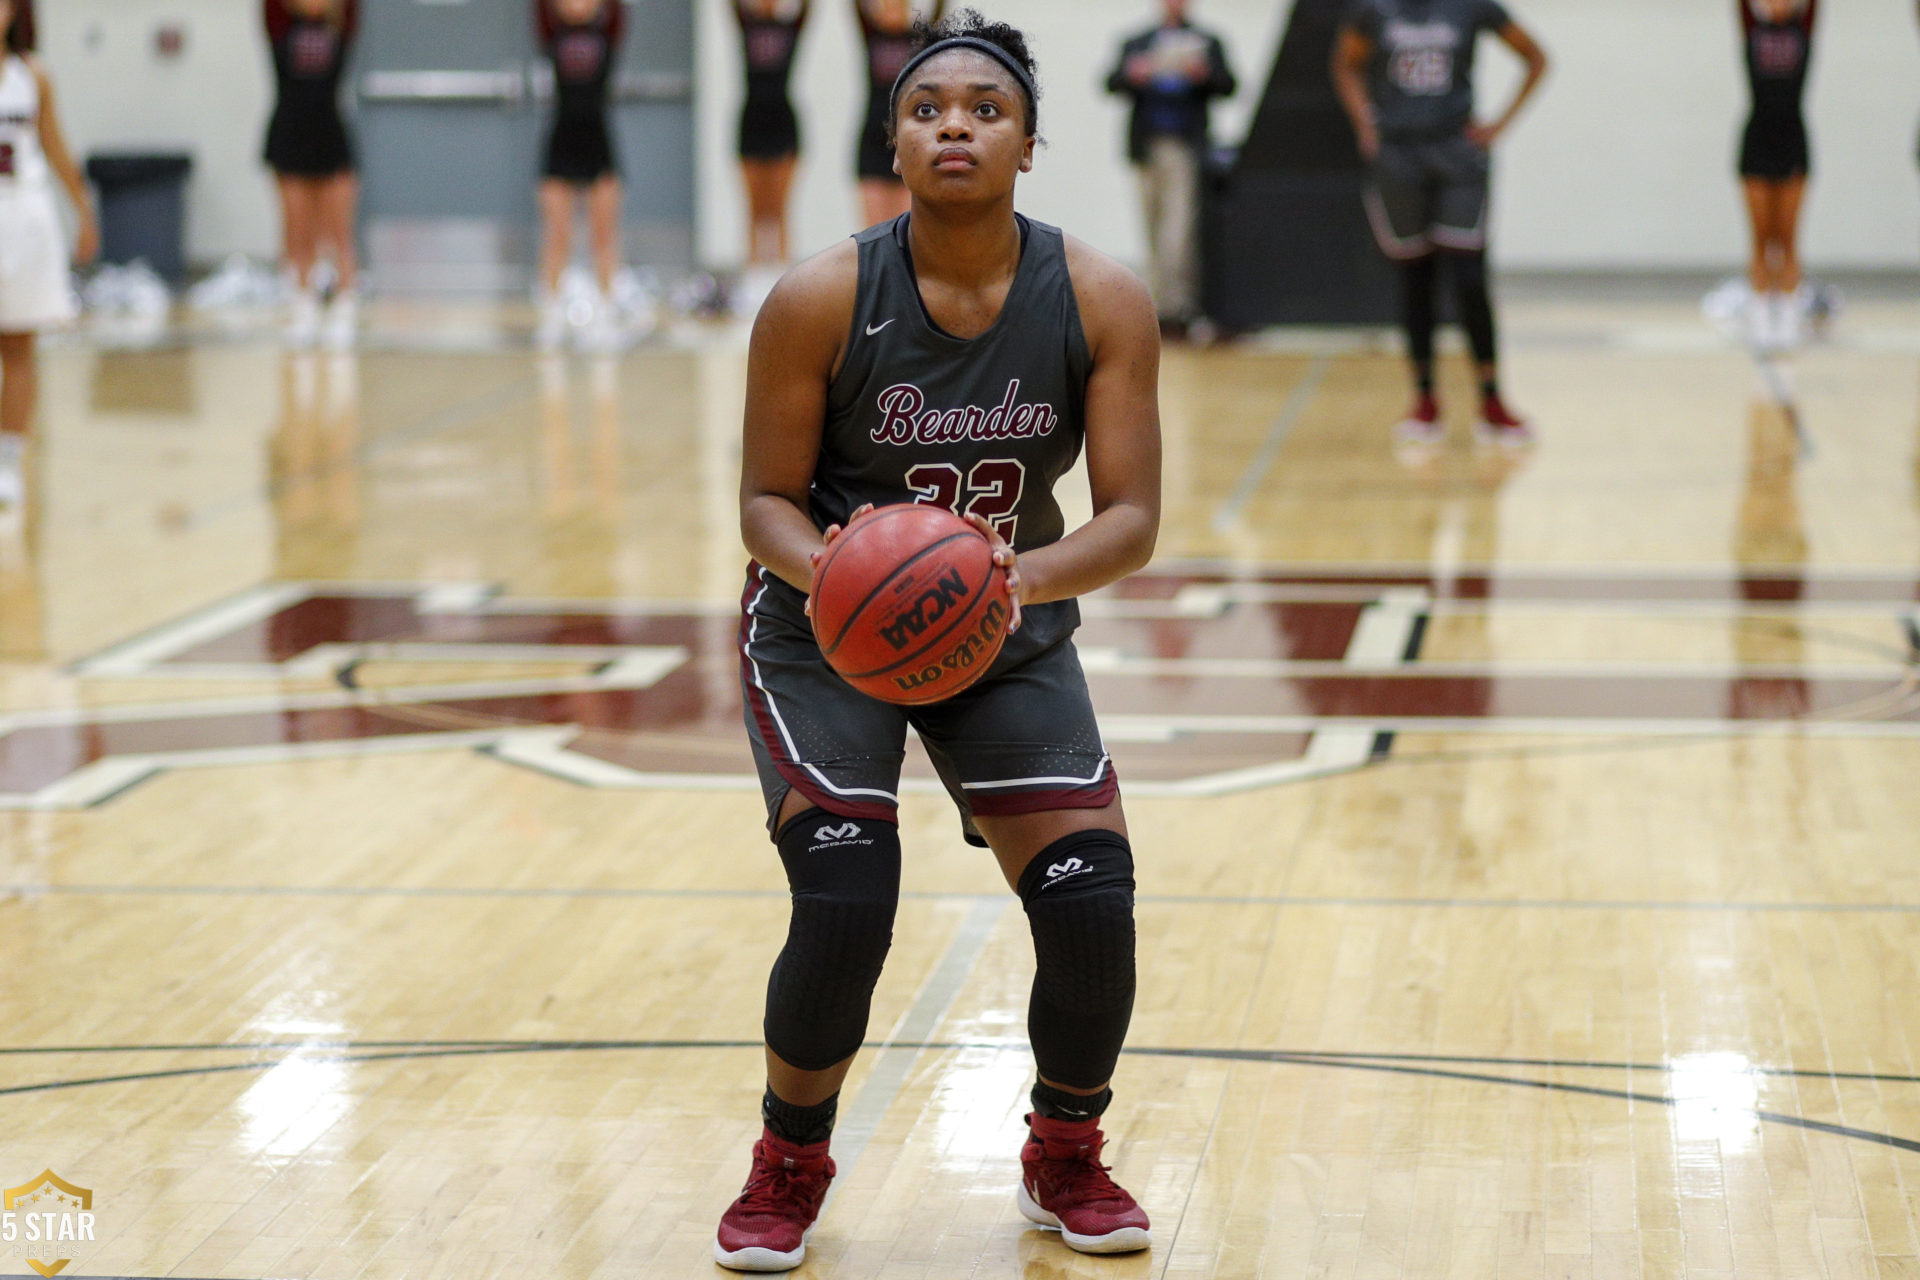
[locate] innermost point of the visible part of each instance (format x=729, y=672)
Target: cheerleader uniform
x=769, y=130
x=1774, y=145
x=306, y=137
x=580, y=147
x=887, y=53
x=34, y=291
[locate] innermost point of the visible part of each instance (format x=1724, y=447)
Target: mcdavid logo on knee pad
x=1059, y=871
x=846, y=833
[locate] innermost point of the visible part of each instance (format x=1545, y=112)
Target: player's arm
x=1352, y=53
x=797, y=343
x=1123, y=438
x=1521, y=41
x=277, y=18
x=60, y=160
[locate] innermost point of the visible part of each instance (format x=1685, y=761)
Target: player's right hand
x=826, y=540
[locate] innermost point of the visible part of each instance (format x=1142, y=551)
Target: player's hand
x=1484, y=136
x=87, y=243
x=826, y=540
x=1004, y=557
x=1139, y=69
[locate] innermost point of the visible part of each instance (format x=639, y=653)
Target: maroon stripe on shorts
x=762, y=711
x=1002, y=804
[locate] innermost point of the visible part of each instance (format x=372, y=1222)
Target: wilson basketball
x=908, y=606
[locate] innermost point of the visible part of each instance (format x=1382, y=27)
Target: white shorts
x=35, y=292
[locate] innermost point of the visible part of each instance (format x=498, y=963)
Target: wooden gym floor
x=1527, y=840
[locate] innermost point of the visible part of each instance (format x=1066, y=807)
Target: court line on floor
x=1411, y=1065
x=998, y=896
x=1269, y=451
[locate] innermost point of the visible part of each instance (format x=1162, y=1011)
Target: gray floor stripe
x=1256, y=473
x=897, y=1053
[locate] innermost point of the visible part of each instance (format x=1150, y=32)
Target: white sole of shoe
x=1125, y=1240
x=758, y=1259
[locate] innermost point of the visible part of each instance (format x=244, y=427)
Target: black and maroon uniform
x=1774, y=145
x=983, y=426
x=306, y=137
x=580, y=146
x=769, y=129
x=888, y=52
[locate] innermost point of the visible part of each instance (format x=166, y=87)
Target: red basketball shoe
x=766, y=1229
x=1063, y=1185
x=1422, y=424
x=1500, y=425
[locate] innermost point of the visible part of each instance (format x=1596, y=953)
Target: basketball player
x=312, y=159
x=1774, y=161
x=898, y=367
x=886, y=27
x=1404, y=72
x=769, y=130
x=582, y=39
x=34, y=292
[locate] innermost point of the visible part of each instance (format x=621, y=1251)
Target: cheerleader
x=1774, y=160
x=582, y=39
x=886, y=27
x=312, y=159
x=769, y=130
x=34, y=291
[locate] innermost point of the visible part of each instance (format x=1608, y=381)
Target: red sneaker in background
x=1499, y=425
x=1422, y=423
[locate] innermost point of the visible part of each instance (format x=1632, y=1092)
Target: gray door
x=452, y=122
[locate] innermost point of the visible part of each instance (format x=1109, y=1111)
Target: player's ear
x=1026, y=154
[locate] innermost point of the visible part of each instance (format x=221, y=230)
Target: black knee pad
x=845, y=878
x=1078, y=893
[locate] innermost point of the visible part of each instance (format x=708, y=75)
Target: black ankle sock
x=802, y=1126
x=1489, y=388
x=1423, y=379
x=1058, y=1104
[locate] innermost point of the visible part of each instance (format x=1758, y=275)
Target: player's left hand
x=1484, y=135
x=1004, y=557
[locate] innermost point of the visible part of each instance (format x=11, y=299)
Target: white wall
x=1625, y=159
x=212, y=101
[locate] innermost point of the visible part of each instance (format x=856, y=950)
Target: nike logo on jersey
x=875, y=328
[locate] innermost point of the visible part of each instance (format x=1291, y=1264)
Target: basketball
x=908, y=605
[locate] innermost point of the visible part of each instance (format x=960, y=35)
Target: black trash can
x=143, y=208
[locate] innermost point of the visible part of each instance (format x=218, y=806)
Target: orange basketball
x=908, y=605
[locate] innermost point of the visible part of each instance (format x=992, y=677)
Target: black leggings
x=1418, y=278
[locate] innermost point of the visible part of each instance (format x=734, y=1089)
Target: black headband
x=987, y=47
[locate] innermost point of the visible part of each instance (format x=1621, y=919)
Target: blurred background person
x=1173, y=72
x=582, y=40
x=312, y=160
x=769, y=135
x=1404, y=73
x=34, y=290
x=1774, y=162
x=886, y=28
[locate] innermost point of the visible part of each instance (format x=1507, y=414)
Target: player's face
x=577, y=11
x=961, y=132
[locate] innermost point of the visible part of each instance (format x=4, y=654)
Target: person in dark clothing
x=1173, y=72
x=1774, y=160
x=312, y=157
x=1404, y=72
x=582, y=39
x=886, y=34
x=769, y=130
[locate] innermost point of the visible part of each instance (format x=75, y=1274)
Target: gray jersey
x=1421, y=81
x=982, y=426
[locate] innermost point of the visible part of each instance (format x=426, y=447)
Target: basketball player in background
x=769, y=133
x=312, y=160
x=582, y=40
x=897, y=367
x=1774, y=161
x=1404, y=73
x=34, y=292
x=886, y=32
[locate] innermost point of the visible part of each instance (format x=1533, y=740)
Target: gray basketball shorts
x=1424, y=195
x=1022, y=740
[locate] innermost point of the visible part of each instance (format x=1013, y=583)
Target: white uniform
x=34, y=289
